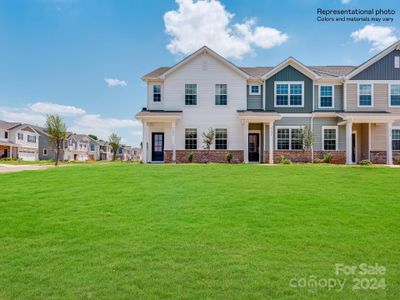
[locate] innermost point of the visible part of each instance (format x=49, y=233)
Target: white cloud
x=207, y=22
x=77, y=120
x=345, y=1
x=379, y=36
x=52, y=108
x=115, y=82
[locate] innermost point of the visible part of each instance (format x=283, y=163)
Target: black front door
x=157, y=151
x=353, y=147
x=254, y=154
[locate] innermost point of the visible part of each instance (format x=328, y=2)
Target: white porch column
x=144, y=142
x=271, y=142
x=349, y=128
x=173, y=142
x=369, y=141
x=389, y=154
x=245, y=141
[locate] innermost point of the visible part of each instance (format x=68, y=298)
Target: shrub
x=365, y=162
x=190, y=157
x=284, y=160
x=327, y=158
x=229, y=157
x=318, y=160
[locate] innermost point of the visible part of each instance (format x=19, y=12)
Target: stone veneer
x=204, y=156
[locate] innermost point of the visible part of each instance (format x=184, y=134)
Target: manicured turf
x=124, y=231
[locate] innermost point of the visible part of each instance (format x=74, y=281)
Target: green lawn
x=129, y=231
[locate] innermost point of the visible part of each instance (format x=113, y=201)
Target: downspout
x=312, y=145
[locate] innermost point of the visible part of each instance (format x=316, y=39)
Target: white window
x=190, y=138
x=329, y=138
x=156, y=93
x=31, y=139
x=255, y=89
x=20, y=136
x=289, y=138
x=190, y=94
x=91, y=147
x=396, y=138
x=394, y=97
x=397, y=62
x=289, y=94
x=221, y=94
x=365, y=92
x=221, y=138
x=326, y=94
x=44, y=151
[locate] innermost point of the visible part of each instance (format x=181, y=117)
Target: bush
x=190, y=157
x=284, y=160
x=327, y=158
x=365, y=162
x=318, y=161
x=229, y=157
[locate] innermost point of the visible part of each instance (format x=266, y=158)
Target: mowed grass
x=123, y=231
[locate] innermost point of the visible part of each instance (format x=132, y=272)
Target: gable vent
x=205, y=65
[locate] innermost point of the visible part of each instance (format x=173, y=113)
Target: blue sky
x=56, y=54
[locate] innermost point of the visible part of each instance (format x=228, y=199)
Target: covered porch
x=258, y=135
x=159, y=137
x=8, y=150
x=369, y=137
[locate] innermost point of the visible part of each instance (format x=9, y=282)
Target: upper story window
x=326, y=96
x=190, y=94
x=396, y=139
x=397, y=62
x=31, y=138
x=221, y=138
x=395, y=95
x=6, y=134
x=119, y=150
x=156, y=93
x=289, y=138
x=20, y=136
x=289, y=94
x=255, y=89
x=191, y=138
x=221, y=94
x=91, y=147
x=365, y=95
x=329, y=137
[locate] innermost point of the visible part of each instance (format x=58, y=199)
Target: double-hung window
x=221, y=94
x=395, y=95
x=156, y=93
x=221, y=138
x=326, y=96
x=329, y=138
x=289, y=138
x=255, y=89
x=91, y=147
x=20, y=136
x=190, y=94
x=31, y=139
x=396, y=139
x=289, y=94
x=190, y=138
x=365, y=95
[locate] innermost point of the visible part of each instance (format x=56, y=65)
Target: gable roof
x=374, y=59
x=202, y=51
x=14, y=126
x=291, y=61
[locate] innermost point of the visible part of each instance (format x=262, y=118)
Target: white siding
x=206, y=72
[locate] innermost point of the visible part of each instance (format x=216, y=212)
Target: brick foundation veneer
x=378, y=157
x=396, y=157
x=204, y=156
x=338, y=157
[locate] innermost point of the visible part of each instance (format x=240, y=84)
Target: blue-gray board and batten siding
x=254, y=101
x=289, y=74
x=383, y=69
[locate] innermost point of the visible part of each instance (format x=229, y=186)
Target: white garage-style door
x=27, y=155
x=83, y=157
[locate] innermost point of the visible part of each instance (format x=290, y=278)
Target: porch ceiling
x=159, y=116
x=372, y=117
x=259, y=116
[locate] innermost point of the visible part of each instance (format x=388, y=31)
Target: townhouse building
x=258, y=113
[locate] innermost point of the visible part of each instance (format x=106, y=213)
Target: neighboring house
x=105, y=151
x=258, y=112
x=93, y=149
x=135, y=153
x=18, y=141
x=124, y=153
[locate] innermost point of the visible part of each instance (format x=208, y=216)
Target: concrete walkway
x=6, y=168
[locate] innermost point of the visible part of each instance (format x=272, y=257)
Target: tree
x=307, y=137
x=208, y=138
x=93, y=136
x=57, y=132
x=115, y=142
